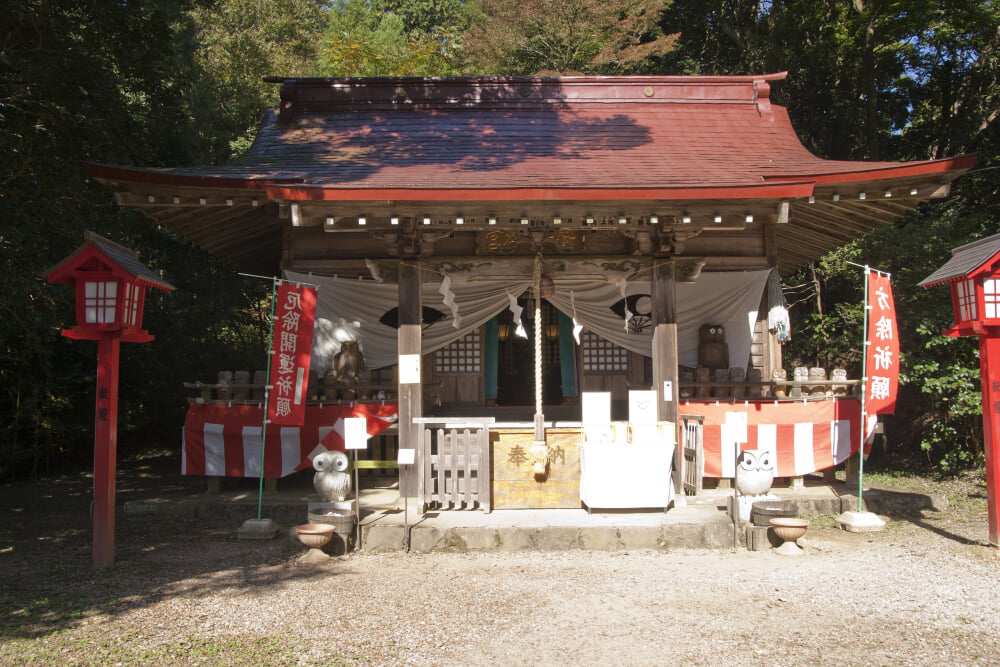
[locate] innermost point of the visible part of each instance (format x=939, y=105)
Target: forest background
x=160, y=83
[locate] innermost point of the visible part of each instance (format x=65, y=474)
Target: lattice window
x=460, y=356
x=966, y=300
x=602, y=356
x=99, y=302
x=991, y=298
x=131, y=304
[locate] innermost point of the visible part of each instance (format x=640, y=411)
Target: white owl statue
x=332, y=480
x=754, y=472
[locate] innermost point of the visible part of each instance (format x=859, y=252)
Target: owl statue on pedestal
x=332, y=480
x=754, y=472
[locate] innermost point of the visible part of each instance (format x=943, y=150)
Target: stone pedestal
x=257, y=529
x=341, y=515
x=746, y=504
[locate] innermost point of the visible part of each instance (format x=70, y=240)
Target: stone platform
x=703, y=523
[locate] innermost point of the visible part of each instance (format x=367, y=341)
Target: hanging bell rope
x=539, y=451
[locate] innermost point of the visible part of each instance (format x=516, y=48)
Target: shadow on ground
x=47, y=582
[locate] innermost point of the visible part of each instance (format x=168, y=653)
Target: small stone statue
x=713, y=350
x=780, y=390
x=755, y=472
x=349, y=363
x=332, y=480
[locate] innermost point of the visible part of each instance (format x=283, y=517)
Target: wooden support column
x=989, y=365
x=772, y=346
x=410, y=393
x=665, y=374
x=105, y=451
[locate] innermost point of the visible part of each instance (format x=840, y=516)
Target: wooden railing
x=768, y=389
x=456, y=463
x=236, y=387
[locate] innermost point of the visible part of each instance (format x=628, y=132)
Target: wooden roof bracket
x=762, y=98
x=678, y=237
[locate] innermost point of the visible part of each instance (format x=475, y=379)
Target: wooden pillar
x=989, y=365
x=665, y=374
x=664, y=315
x=410, y=391
x=105, y=451
x=772, y=346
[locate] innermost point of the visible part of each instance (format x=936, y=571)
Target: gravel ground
x=924, y=591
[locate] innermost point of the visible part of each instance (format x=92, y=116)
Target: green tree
x=84, y=80
x=390, y=39
x=235, y=43
x=566, y=36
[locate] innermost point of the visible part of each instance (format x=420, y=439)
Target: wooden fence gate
x=692, y=454
x=456, y=463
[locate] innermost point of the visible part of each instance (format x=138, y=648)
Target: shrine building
x=538, y=256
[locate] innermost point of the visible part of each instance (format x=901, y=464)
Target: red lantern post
x=973, y=273
x=110, y=284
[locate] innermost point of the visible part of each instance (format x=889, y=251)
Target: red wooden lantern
x=973, y=273
x=110, y=284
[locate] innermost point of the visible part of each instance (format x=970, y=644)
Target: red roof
x=560, y=146
x=673, y=137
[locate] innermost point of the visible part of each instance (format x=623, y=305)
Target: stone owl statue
x=332, y=480
x=713, y=350
x=754, y=472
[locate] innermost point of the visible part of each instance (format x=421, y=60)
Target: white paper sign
x=355, y=433
x=596, y=407
x=406, y=457
x=737, y=423
x=642, y=406
x=668, y=390
x=409, y=369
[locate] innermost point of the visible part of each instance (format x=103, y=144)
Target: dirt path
x=925, y=591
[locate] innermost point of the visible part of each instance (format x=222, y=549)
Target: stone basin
x=315, y=535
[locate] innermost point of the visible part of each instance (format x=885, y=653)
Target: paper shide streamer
x=628, y=313
x=449, y=300
x=516, y=311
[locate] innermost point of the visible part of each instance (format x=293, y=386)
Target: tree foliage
x=387, y=38
x=235, y=43
x=84, y=80
x=565, y=36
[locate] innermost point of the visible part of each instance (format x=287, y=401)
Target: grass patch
x=94, y=646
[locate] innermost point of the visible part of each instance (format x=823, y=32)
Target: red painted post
x=110, y=292
x=105, y=451
x=989, y=364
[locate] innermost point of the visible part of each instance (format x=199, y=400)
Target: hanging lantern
x=546, y=287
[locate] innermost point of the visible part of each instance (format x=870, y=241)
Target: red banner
x=291, y=345
x=882, y=351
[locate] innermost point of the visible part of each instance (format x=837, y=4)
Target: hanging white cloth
x=728, y=298
x=350, y=309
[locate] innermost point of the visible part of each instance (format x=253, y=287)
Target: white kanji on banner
x=291, y=348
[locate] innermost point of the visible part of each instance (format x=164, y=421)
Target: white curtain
x=351, y=309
